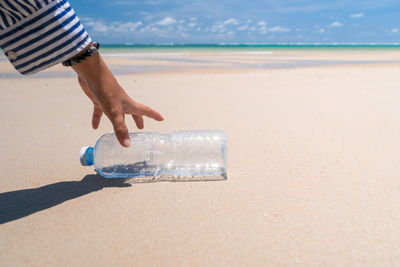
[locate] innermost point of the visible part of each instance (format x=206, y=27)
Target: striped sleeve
x=37, y=34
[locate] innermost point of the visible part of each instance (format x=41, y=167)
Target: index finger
x=121, y=131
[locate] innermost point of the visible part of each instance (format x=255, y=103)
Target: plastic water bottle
x=177, y=156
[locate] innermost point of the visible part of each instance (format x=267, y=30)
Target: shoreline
x=209, y=62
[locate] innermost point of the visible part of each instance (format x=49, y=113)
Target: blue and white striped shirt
x=37, y=34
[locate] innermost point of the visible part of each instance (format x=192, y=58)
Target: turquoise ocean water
x=247, y=47
x=131, y=48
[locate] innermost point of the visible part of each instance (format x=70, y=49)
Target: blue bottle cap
x=86, y=156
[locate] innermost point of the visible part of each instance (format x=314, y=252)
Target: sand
x=313, y=178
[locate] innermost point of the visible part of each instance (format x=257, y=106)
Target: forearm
x=94, y=71
x=90, y=65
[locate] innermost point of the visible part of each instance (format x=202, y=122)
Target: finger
x=121, y=131
x=97, y=113
x=148, y=112
x=139, y=121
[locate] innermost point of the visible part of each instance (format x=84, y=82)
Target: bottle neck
x=87, y=156
x=90, y=156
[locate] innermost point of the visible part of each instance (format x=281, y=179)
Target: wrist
x=89, y=66
x=88, y=51
x=94, y=71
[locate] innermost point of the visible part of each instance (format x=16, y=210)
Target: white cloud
x=113, y=27
x=261, y=23
x=131, y=26
x=279, y=29
x=221, y=26
x=218, y=27
x=96, y=26
x=336, y=24
x=243, y=27
x=262, y=27
x=357, y=15
x=395, y=31
x=154, y=29
x=231, y=21
x=322, y=30
x=170, y=27
x=166, y=21
x=153, y=2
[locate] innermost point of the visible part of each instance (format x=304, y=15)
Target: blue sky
x=233, y=21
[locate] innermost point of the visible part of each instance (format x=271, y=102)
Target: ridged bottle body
x=181, y=155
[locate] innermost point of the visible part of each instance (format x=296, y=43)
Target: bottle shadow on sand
x=21, y=203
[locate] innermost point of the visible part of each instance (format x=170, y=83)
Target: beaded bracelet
x=92, y=50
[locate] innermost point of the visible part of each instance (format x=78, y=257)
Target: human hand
x=108, y=97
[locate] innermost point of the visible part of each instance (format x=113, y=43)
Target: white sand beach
x=313, y=176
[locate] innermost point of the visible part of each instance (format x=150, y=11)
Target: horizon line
x=250, y=44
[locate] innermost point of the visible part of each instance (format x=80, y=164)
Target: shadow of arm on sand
x=18, y=204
